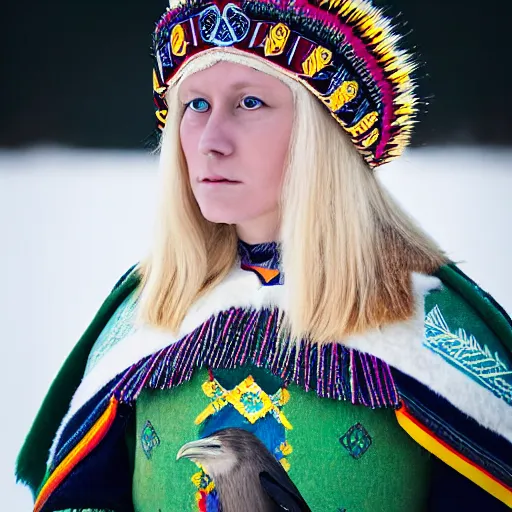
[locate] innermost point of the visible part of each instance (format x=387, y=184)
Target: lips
x=217, y=179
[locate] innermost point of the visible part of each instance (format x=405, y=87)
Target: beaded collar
x=263, y=260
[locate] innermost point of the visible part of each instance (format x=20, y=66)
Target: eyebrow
x=236, y=86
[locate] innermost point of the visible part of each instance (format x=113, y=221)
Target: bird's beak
x=208, y=447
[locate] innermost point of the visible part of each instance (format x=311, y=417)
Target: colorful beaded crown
x=344, y=51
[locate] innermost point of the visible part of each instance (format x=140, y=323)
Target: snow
x=74, y=221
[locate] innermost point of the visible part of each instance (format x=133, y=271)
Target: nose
x=217, y=137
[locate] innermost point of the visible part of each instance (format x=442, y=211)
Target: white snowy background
x=72, y=222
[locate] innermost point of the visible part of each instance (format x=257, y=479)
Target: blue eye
x=252, y=103
x=199, y=105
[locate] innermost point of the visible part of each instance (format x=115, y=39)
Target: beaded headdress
x=345, y=52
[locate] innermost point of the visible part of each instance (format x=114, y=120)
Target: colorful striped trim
x=77, y=454
x=428, y=440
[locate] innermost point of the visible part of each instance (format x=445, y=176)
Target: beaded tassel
x=237, y=337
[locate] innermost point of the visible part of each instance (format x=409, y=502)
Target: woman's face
x=235, y=135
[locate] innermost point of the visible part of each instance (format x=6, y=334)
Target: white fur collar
x=400, y=345
x=405, y=350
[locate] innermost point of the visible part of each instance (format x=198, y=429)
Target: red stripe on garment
x=91, y=439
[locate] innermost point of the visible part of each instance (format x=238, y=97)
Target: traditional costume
x=412, y=416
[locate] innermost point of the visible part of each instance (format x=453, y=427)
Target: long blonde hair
x=348, y=249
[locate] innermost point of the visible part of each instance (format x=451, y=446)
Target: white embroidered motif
x=118, y=327
x=463, y=350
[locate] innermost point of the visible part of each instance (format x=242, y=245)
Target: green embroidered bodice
x=342, y=457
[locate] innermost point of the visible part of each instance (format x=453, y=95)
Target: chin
x=220, y=216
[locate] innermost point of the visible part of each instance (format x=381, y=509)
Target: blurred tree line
x=79, y=73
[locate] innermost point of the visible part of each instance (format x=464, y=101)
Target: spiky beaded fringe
x=239, y=337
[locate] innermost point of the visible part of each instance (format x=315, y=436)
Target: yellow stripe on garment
x=78, y=453
x=449, y=456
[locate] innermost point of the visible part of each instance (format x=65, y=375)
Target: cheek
x=266, y=151
x=189, y=141
x=264, y=157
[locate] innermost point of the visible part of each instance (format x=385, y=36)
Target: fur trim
x=400, y=345
x=209, y=58
x=240, y=289
x=406, y=352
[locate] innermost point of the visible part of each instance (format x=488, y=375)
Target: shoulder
x=31, y=462
x=457, y=391
x=467, y=328
x=456, y=346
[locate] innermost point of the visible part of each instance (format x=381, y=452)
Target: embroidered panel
x=118, y=327
x=236, y=338
x=244, y=406
x=248, y=399
x=149, y=439
x=463, y=350
x=356, y=441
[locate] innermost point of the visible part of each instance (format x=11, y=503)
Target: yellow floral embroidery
x=159, y=89
x=276, y=39
x=178, y=43
x=346, y=92
x=285, y=464
x=370, y=139
x=317, y=60
x=248, y=399
x=364, y=124
x=286, y=448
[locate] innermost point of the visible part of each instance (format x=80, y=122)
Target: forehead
x=228, y=76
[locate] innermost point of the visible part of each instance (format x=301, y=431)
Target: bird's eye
x=199, y=105
x=213, y=446
x=251, y=103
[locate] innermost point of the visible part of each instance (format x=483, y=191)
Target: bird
x=246, y=475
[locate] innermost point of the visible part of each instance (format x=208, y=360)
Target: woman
x=287, y=300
